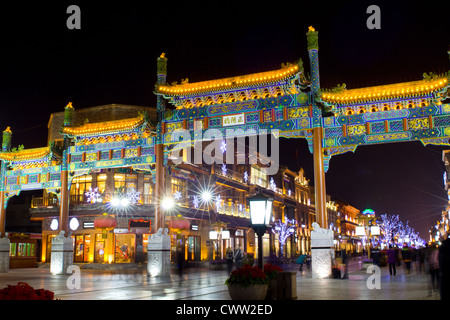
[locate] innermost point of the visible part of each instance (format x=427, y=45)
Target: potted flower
x=247, y=283
x=23, y=291
x=271, y=271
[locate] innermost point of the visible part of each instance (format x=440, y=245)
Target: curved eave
x=377, y=94
x=107, y=127
x=35, y=154
x=246, y=82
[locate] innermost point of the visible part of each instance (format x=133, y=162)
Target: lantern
x=260, y=217
x=179, y=224
x=105, y=223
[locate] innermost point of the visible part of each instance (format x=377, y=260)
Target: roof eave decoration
x=107, y=127
x=287, y=72
x=35, y=154
x=414, y=90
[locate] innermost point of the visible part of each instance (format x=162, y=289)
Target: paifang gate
x=333, y=122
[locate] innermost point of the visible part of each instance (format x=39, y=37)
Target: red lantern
x=179, y=224
x=105, y=223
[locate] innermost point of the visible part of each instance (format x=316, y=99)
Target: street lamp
x=260, y=218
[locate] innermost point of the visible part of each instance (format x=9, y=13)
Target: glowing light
x=124, y=202
x=273, y=186
x=206, y=196
x=223, y=146
x=177, y=195
x=74, y=224
x=218, y=202
x=92, y=196
x=115, y=202
x=167, y=203
x=54, y=224
x=196, y=202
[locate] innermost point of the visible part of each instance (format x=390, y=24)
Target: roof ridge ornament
x=312, y=37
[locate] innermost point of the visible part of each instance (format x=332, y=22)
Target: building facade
x=98, y=191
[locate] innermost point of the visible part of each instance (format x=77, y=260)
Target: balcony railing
x=234, y=209
x=42, y=202
x=229, y=174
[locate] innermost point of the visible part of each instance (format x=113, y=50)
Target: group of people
x=234, y=257
x=433, y=260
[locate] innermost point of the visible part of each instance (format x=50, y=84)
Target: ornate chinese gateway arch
x=333, y=122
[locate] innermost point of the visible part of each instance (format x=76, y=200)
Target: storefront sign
x=233, y=120
x=88, y=225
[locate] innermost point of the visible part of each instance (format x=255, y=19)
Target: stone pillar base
x=4, y=255
x=158, y=254
x=322, y=252
x=322, y=260
x=62, y=254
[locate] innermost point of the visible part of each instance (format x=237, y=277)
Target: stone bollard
x=62, y=254
x=4, y=254
x=322, y=252
x=158, y=254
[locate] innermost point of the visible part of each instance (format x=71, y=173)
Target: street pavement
x=130, y=282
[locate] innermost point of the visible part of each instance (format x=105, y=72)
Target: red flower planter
x=23, y=291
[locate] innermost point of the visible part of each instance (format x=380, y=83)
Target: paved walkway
x=204, y=284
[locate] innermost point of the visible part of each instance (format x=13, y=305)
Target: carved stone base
x=322, y=252
x=4, y=255
x=158, y=254
x=62, y=254
x=321, y=260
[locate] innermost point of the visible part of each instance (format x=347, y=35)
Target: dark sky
x=112, y=59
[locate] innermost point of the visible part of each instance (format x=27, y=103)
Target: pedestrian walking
x=238, y=257
x=444, y=266
x=344, y=258
x=413, y=259
x=229, y=258
x=301, y=260
x=407, y=257
x=180, y=261
x=433, y=265
x=392, y=260
x=421, y=259
x=308, y=261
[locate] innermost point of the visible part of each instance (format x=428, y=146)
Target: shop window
x=101, y=183
x=82, y=244
x=22, y=249
x=99, y=253
x=125, y=248
x=148, y=189
x=131, y=183
x=124, y=183
x=179, y=185
x=258, y=177
x=80, y=185
x=193, y=248
x=119, y=182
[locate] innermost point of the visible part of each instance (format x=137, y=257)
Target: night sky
x=112, y=59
